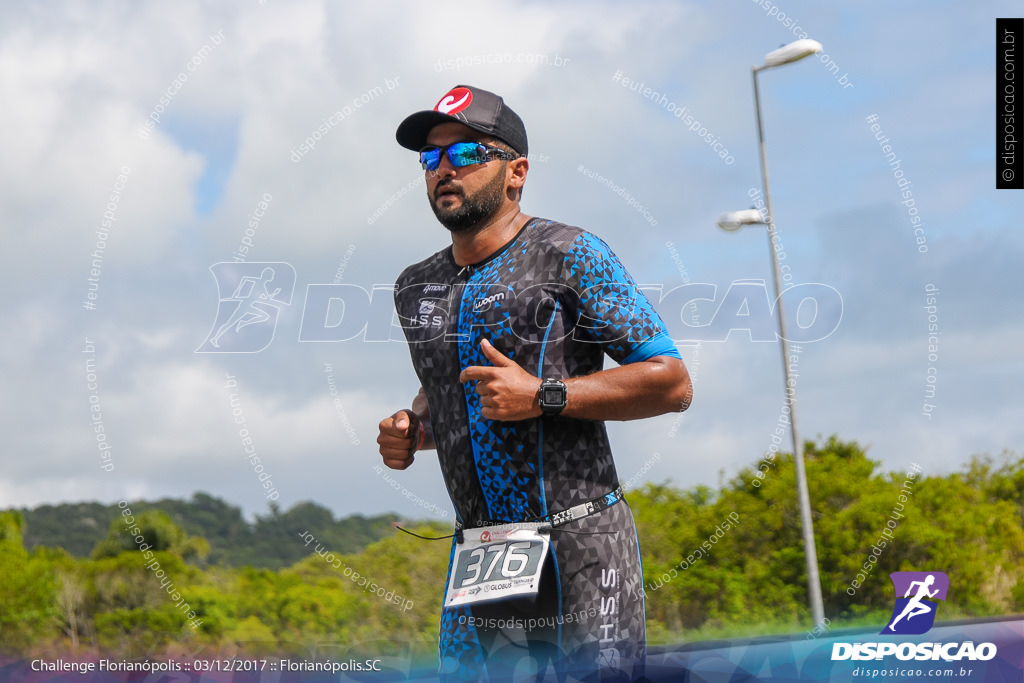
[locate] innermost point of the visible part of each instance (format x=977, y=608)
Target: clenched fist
x=399, y=436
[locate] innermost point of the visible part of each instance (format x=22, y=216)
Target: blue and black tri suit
x=556, y=300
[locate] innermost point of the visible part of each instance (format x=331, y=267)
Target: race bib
x=498, y=562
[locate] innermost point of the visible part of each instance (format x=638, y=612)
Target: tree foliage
x=27, y=589
x=867, y=524
x=721, y=562
x=233, y=542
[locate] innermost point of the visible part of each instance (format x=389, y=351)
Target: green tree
x=27, y=589
x=153, y=530
x=716, y=563
x=867, y=524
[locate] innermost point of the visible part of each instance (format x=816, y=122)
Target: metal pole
x=810, y=553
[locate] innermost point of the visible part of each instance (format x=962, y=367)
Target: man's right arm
x=400, y=433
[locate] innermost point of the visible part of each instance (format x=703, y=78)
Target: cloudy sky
x=79, y=82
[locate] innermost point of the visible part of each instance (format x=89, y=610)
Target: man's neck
x=473, y=246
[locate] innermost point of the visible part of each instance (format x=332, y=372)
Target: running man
x=508, y=329
x=915, y=606
x=250, y=303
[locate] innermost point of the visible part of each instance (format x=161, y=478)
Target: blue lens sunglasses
x=461, y=154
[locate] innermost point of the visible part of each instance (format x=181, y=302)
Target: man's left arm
x=646, y=388
x=651, y=378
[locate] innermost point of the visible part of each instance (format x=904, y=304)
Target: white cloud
x=77, y=83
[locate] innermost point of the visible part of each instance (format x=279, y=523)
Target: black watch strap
x=552, y=396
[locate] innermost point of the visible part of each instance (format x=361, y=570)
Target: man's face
x=463, y=198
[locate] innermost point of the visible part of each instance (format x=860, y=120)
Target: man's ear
x=517, y=170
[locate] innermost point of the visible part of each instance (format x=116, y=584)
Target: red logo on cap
x=455, y=101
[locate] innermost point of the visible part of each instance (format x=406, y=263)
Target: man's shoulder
x=560, y=236
x=431, y=267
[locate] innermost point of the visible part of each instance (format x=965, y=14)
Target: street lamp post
x=733, y=221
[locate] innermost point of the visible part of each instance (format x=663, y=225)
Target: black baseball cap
x=479, y=109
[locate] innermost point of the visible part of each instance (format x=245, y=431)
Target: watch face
x=553, y=396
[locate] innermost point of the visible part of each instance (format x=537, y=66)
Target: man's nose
x=445, y=168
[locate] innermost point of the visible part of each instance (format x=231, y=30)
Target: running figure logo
x=247, y=318
x=914, y=615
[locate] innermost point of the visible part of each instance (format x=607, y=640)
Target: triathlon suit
x=556, y=300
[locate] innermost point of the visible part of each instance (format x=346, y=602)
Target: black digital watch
x=552, y=396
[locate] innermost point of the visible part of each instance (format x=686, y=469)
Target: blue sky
x=225, y=138
x=217, y=142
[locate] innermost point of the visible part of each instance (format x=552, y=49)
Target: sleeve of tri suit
x=614, y=312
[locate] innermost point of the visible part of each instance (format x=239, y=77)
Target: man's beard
x=474, y=210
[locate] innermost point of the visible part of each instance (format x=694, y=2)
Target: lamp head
x=792, y=52
x=731, y=221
